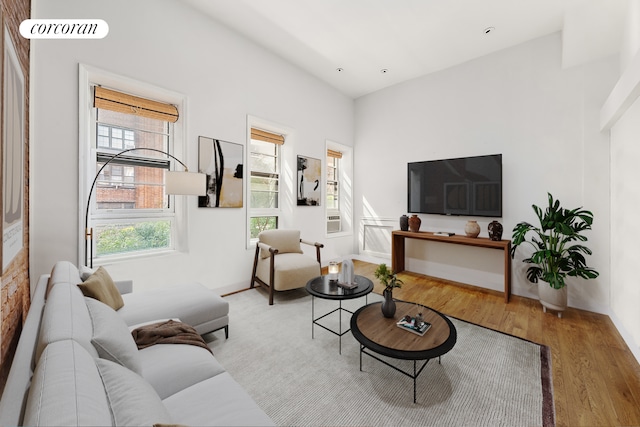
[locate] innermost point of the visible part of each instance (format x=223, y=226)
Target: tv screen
x=464, y=186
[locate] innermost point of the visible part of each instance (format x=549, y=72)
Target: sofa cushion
x=111, y=336
x=133, y=402
x=226, y=403
x=66, y=389
x=65, y=316
x=62, y=272
x=286, y=241
x=170, y=368
x=101, y=287
x=85, y=272
x=192, y=303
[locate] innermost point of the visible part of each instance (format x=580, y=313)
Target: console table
x=398, y=255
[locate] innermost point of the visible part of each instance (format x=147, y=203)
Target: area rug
x=487, y=379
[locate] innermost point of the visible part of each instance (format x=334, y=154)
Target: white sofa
x=77, y=363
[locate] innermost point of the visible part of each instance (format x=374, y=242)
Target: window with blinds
x=130, y=210
x=264, y=165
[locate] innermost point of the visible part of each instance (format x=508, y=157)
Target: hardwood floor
x=596, y=378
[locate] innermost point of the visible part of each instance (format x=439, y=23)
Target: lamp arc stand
x=88, y=232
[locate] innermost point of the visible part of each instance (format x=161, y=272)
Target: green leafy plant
x=134, y=237
x=387, y=277
x=556, y=252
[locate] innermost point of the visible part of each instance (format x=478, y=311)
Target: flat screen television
x=463, y=186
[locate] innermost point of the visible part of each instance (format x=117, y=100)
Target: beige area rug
x=487, y=379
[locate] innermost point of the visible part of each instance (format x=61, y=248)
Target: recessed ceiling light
x=384, y=71
x=488, y=30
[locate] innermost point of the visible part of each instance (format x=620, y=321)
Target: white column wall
x=224, y=77
x=518, y=102
x=625, y=235
x=625, y=196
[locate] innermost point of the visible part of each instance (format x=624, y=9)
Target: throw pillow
x=132, y=400
x=111, y=337
x=101, y=287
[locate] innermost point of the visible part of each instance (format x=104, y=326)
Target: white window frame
x=285, y=191
x=88, y=77
x=266, y=212
x=337, y=168
x=345, y=190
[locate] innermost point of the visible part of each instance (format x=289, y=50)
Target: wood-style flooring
x=596, y=378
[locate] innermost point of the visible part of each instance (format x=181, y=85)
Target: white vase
x=472, y=229
x=551, y=298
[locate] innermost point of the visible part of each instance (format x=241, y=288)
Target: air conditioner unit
x=333, y=223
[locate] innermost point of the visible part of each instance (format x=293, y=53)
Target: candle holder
x=334, y=269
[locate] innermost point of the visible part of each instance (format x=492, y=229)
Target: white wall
x=518, y=102
x=625, y=200
x=625, y=193
x=631, y=40
x=225, y=79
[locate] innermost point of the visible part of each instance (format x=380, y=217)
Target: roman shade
x=335, y=154
x=262, y=135
x=128, y=104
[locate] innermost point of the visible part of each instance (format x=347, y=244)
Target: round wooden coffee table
x=381, y=335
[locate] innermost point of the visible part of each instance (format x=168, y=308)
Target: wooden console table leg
x=397, y=253
x=507, y=272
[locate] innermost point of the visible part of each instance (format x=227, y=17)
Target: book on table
x=347, y=286
x=410, y=325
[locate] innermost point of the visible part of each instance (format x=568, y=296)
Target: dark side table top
x=382, y=335
x=322, y=287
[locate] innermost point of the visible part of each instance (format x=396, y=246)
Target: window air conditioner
x=333, y=224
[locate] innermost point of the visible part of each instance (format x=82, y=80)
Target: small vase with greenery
x=389, y=279
x=557, y=252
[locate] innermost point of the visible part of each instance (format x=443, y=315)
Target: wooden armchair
x=280, y=263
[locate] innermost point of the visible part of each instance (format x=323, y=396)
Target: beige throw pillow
x=100, y=286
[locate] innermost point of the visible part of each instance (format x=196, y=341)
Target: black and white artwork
x=308, y=183
x=222, y=162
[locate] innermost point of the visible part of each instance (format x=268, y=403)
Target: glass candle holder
x=334, y=269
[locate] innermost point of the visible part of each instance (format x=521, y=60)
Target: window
x=333, y=179
x=130, y=211
x=334, y=220
x=339, y=170
x=113, y=137
x=264, y=164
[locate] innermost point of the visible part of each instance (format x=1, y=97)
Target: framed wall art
x=13, y=123
x=222, y=162
x=309, y=180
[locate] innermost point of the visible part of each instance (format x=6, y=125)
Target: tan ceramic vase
x=472, y=229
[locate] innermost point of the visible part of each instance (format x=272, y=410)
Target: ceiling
x=361, y=46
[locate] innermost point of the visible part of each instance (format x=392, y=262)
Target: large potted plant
x=389, y=279
x=557, y=252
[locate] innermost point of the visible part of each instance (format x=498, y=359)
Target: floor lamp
x=178, y=183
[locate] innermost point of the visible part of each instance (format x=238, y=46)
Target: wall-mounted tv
x=463, y=186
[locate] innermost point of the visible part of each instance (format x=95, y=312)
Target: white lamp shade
x=185, y=183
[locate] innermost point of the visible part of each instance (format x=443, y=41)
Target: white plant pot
x=551, y=298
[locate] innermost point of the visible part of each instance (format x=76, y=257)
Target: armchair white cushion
x=280, y=263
